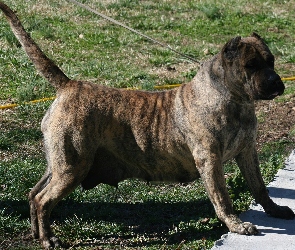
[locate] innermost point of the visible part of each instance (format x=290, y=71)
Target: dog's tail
x=43, y=64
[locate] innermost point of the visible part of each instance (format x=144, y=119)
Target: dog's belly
x=110, y=169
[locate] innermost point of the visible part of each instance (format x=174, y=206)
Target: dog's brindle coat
x=95, y=134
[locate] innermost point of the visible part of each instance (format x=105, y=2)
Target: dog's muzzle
x=269, y=85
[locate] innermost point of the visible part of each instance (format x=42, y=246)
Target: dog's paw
x=245, y=228
x=51, y=243
x=282, y=212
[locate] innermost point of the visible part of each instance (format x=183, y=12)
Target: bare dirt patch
x=276, y=121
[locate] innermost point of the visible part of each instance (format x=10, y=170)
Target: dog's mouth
x=268, y=84
x=274, y=95
x=271, y=94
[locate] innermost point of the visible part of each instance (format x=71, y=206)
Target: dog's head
x=249, y=64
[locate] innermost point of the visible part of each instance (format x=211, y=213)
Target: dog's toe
x=245, y=228
x=46, y=244
x=249, y=228
x=56, y=241
x=282, y=212
x=51, y=243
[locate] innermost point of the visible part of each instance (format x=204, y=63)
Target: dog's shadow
x=148, y=219
x=161, y=222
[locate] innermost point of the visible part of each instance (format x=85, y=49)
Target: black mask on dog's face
x=254, y=66
x=268, y=84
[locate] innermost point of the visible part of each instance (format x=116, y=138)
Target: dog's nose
x=274, y=78
x=282, y=89
x=276, y=81
x=279, y=85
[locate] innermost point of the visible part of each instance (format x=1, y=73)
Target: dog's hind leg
x=61, y=184
x=34, y=191
x=67, y=167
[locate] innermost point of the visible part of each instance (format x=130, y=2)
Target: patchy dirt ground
x=276, y=121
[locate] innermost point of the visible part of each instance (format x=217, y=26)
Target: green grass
x=88, y=47
x=136, y=215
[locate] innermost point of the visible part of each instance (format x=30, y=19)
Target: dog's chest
x=238, y=134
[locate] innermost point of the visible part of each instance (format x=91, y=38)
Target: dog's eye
x=251, y=64
x=271, y=63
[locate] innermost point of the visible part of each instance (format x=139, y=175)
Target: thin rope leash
x=133, y=30
x=8, y=106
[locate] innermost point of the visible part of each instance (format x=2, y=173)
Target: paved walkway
x=276, y=234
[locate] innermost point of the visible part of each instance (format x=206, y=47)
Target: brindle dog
x=95, y=134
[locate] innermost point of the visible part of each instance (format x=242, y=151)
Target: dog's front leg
x=211, y=172
x=248, y=163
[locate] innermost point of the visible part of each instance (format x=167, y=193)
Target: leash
x=9, y=106
x=133, y=30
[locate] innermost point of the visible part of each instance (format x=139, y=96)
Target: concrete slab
x=277, y=234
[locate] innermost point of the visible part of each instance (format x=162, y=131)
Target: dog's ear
x=230, y=49
x=254, y=34
x=259, y=38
